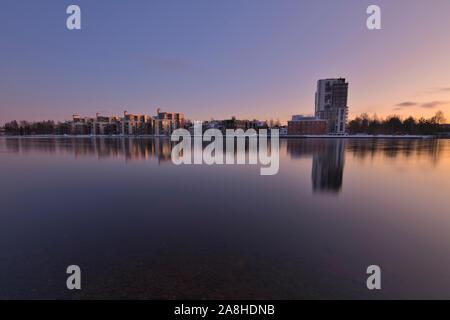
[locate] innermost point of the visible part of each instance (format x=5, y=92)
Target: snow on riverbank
x=358, y=136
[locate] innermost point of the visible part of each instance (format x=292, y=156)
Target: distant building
x=136, y=124
x=234, y=124
x=164, y=123
x=231, y=124
x=81, y=125
x=301, y=125
x=105, y=125
x=331, y=104
x=63, y=127
x=167, y=122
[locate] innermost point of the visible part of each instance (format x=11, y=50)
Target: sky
x=216, y=59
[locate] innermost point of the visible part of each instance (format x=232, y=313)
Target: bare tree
x=439, y=117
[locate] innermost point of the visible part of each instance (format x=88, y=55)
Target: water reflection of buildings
x=128, y=148
x=328, y=161
x=408, y=149
x=328, y=155
x=328, y=167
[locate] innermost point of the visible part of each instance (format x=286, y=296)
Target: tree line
x=394, y=125
x=364, y=124
x=30, y=128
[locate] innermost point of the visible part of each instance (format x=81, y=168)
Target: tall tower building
x=331, y=103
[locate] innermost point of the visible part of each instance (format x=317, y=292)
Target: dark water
x=141, y=227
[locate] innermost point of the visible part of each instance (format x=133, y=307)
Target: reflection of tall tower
x=328, y=161
x=328, y=167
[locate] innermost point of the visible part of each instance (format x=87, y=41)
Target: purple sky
x=214, y=59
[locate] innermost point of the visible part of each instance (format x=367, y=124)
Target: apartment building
x=164, y=123
x=167, y=122
x=136, y=124
x=331, y=104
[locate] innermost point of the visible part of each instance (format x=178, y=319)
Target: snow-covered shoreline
x=363, y=136
x=356, y=136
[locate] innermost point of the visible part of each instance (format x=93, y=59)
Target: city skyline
x=250, y=60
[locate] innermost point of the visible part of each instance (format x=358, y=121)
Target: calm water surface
x=141, y=227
